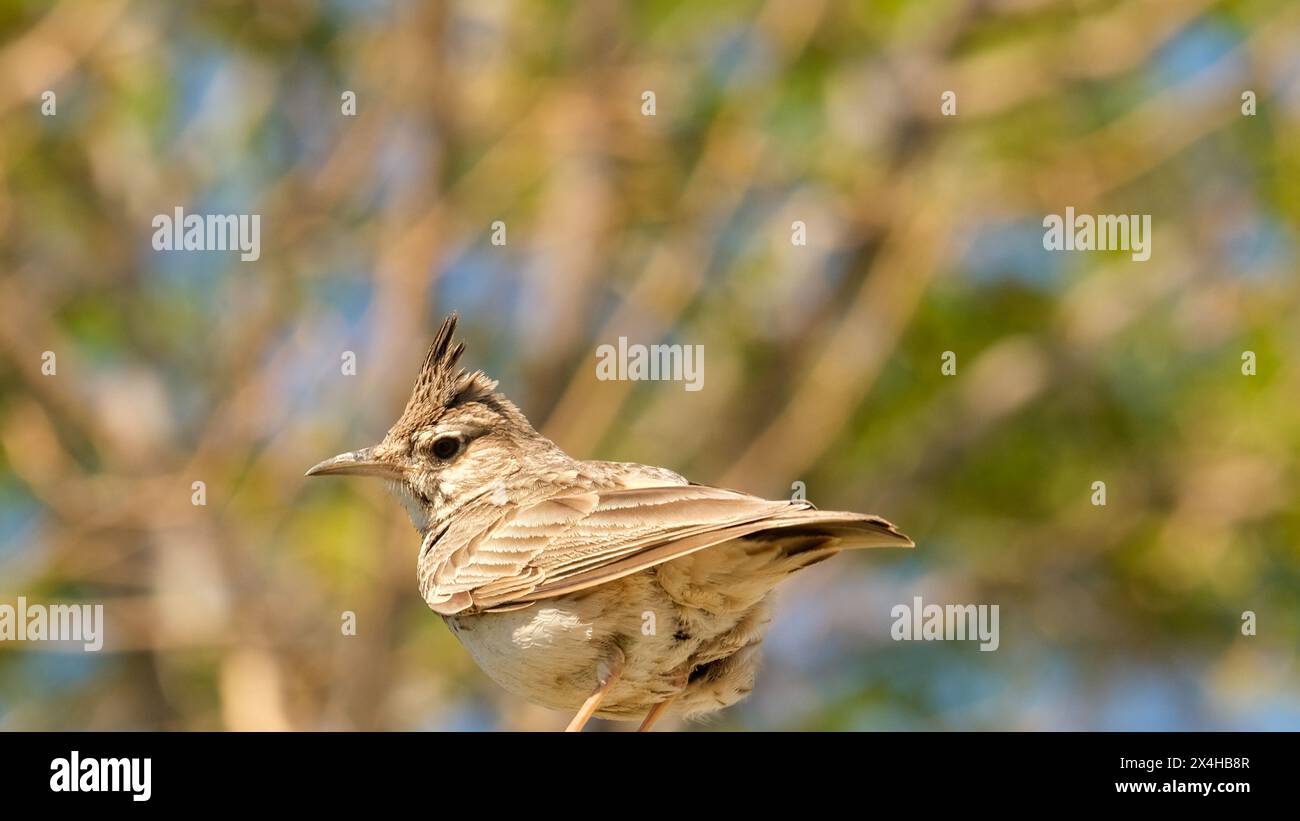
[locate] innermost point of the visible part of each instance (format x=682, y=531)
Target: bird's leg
x=607, y=672
x=588, y=708
x=656, y=712
x=680, y=678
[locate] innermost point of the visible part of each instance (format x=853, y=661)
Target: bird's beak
x=358, y=463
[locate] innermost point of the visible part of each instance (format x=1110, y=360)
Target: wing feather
x=506, y=558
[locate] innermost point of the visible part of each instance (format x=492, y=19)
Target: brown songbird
x=611, y=589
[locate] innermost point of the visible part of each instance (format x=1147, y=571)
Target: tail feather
x=854, y=530
x=733, y=576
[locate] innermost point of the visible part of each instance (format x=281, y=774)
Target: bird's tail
x=736, y=575
x=850, y=530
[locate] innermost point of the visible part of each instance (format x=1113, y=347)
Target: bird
x=608, y=589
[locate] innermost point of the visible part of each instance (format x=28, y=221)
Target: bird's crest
x=441, y=384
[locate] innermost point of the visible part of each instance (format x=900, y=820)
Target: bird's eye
x=445, y=447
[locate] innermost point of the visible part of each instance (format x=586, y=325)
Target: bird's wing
x=573, y=541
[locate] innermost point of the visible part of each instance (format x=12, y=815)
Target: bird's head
x=456, y=440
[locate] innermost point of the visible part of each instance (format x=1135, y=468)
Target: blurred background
x=822, y=361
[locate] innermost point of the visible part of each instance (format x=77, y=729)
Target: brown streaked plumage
x=610, y=588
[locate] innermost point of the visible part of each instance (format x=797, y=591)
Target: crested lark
x=614, y=589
